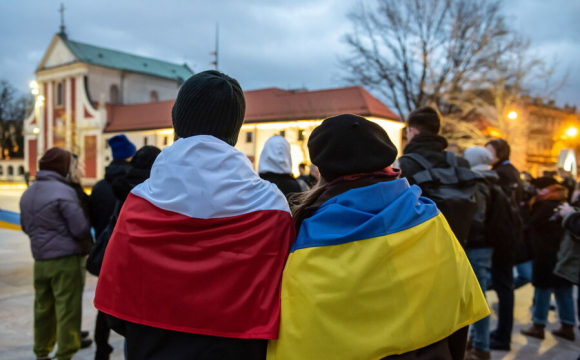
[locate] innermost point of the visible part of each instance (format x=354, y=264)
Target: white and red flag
x=200, y=246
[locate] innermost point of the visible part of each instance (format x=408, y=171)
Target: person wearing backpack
x=443, y=177
x=504, y=258
x=493, y=221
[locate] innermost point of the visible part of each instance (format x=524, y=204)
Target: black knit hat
x=209, y=103
x=350, y=144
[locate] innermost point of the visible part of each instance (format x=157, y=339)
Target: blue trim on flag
x=363, y=213
x=10, y=217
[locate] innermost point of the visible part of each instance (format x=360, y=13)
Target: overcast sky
x=263, y=43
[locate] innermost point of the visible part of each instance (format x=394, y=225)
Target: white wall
x=15, y=164
x=136, y=88
x=59, y=55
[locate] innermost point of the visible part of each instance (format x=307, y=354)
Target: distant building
x=87, y=94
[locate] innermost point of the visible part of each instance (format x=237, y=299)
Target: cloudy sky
x=263, y=43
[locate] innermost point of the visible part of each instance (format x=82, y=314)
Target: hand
x=565, y=209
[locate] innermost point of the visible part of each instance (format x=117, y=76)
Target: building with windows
x=86, y=94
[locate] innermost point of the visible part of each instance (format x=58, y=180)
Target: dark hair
x=425, y=119
x=502, y=149
x=302, y=166
x=145, y=157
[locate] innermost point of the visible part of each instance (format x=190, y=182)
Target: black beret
x=350, y=144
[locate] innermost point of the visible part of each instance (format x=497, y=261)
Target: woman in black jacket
x=545, y=235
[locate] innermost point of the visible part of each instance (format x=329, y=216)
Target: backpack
x=452, y=189
x=503, y=225
x=97, y=253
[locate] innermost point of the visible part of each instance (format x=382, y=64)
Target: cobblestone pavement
x=16, y=299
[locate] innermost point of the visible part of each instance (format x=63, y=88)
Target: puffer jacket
x=52, y=217
x=477, y=236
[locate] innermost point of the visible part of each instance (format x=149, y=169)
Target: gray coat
x=50, y=214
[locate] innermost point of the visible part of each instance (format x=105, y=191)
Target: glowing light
x=39, y=103
x=34, y=91
x=36, y=130
x=572, y=132
x=40, y=98
x=33, y=84
x=512, y=115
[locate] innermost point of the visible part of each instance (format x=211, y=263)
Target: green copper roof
x=99, y=56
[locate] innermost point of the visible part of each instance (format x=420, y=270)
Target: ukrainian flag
x=9, y=220
x=375, y=271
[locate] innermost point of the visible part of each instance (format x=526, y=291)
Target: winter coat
x=545, y=237
x=432, y=148
x=102, y=200
x=52, y=217
x=276, y=165
x=568, y=266
x=509, y=180
x=477, y=238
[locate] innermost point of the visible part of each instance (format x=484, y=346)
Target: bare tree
x=447, y=53
x=13, y=110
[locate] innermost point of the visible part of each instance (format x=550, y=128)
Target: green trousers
x=58, y=285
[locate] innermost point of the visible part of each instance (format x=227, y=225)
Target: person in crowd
x=568, y=265
x=546, y=233
x=75, y=177
x=276, y=165
x=102, y=201
x=479, y=248
x=202, y=231
x=567, y=181
x=504, y=258
x=371, y=258
x=54, y=220
x=423, y=126
x=139, y=171
x=303, y=173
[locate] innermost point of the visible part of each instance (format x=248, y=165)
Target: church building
x=86, y=94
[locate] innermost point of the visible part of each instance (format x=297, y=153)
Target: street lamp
x=36, y=131
x=572, y=131
x=512, y=115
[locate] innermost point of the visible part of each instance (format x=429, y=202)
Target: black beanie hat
x=209, y=103
x=57, y=160
x=350, y=144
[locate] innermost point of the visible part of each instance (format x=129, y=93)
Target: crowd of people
x=365, y=256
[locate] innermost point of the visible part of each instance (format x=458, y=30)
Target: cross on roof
x=61, y=10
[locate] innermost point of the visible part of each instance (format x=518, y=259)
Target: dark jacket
x=477, y=238
x=102, y=200
x=568, y=266
x=509, y=180
x=285, y=182
x=432, y=148
x=52, y=217
x=545, y=237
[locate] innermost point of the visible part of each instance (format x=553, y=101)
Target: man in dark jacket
x=276, y=165
x=102, y=201
x=54, y=220
x=423, y=128
x=504, y=258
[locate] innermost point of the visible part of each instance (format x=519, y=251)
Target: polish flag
x=200, y=246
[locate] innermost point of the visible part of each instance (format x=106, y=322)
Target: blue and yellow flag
x=9, y=220
x=375, y=271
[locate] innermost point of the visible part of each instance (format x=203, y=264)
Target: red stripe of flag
x=216, y=277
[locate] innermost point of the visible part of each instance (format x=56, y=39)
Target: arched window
x=114, y=94
x=59, y=94
x=21, y=170
x=10, y=170
x=153, y=96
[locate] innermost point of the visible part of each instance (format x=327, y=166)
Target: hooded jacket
x=52, y=217
x=276, y=165
x=102, y=200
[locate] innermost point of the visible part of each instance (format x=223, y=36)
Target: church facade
x=86, y=94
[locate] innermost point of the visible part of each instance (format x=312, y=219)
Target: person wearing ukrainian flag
x=375, y=272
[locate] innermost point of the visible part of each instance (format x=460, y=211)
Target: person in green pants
x=52, y=217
